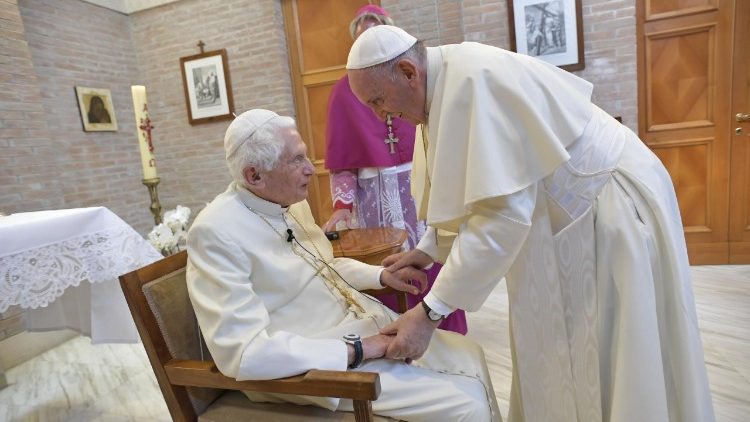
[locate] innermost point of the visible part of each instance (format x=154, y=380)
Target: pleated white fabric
x=603, y=320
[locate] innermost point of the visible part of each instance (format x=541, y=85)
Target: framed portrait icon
x=550, y=30
x=97, y=111
x=207, y=85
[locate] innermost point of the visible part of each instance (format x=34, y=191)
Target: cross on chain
x=391, y=139
x=146, y=127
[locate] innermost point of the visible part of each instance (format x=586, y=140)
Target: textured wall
x=190, y=159
x=28, y=158
x=49, y=162
x=73, y=43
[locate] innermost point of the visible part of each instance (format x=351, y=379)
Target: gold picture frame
x=96, y=108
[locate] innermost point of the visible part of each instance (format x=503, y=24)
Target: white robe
x=543, y=187
x=266, y=314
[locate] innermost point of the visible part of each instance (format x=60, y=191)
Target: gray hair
x=416, y=53
x=262, y=149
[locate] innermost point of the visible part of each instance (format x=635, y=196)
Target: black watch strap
x=431, y=315
x=356, y=342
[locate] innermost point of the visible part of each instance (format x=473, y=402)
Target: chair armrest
x=319, y=383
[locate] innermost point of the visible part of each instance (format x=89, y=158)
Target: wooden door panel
x=317, y=97
x=679, y=72
x=688, y=166
x=659, y=9
x=318, y=43
x=739, y=213
x=684, y=82
x=324, y=26
x=324, y=205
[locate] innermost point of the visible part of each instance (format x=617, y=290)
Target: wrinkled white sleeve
x=234, y=319
x=359, y=275
x=483, y=251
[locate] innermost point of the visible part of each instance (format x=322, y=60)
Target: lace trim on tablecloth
x=36, y=277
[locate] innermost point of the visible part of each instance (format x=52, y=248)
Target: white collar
x=256, y=203
x=434, y=63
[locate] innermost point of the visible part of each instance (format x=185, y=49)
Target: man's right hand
x=342, y=214
x=413, y=258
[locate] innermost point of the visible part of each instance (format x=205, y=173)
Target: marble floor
x=78, y=381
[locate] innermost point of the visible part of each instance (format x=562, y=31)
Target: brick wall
x=28, y=179
x=190, y=159
x=74, y=43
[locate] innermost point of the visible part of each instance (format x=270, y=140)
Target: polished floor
x=78, y=381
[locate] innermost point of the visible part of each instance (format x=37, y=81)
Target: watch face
x=350, y=338
x=434, y=316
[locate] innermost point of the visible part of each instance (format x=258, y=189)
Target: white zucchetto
x=378, y=45
x=244, y=126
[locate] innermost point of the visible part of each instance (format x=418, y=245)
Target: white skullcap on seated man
x=272, y=301
x=538, y=185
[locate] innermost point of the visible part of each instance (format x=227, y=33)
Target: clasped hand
x=407, y=279
x=413, y=329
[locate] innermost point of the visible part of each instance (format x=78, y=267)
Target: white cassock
x=543, y=187
x=266, y=313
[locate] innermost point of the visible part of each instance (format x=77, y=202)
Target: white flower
x=177, y=218
x=169, y=235
x=162, y=237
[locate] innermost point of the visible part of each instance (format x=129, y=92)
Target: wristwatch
x=431, y=315
x=356, y=341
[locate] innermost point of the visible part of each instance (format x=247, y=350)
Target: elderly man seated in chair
x=272, y=301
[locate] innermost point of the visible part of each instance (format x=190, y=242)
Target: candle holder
x=155, y=206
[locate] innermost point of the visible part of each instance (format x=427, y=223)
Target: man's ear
x=407, y=68
x=253, y=177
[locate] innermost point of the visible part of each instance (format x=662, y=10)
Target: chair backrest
x=158, y=299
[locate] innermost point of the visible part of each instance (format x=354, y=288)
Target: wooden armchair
x=193, y=387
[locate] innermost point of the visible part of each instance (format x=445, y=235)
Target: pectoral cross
x=391, y=139
x=146, y=127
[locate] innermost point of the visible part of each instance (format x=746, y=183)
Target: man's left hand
x=404, y=280
x=413, y=334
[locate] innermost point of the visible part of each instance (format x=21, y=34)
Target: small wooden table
x=371, y=246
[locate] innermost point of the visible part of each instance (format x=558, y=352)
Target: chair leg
x=363, y=411
x=403, y=306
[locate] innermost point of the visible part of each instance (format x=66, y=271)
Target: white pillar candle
x=143, y=128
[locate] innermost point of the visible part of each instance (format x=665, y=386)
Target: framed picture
x=550, y=30
x=97, y=112
x=208, y=89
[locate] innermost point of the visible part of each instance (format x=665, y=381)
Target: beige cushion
x=235, y=406
x=169, y=301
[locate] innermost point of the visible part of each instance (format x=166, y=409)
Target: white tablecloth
x=63, y=266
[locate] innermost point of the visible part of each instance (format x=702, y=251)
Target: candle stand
x=155, y=206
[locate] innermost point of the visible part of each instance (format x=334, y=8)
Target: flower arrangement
x=169, y=235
